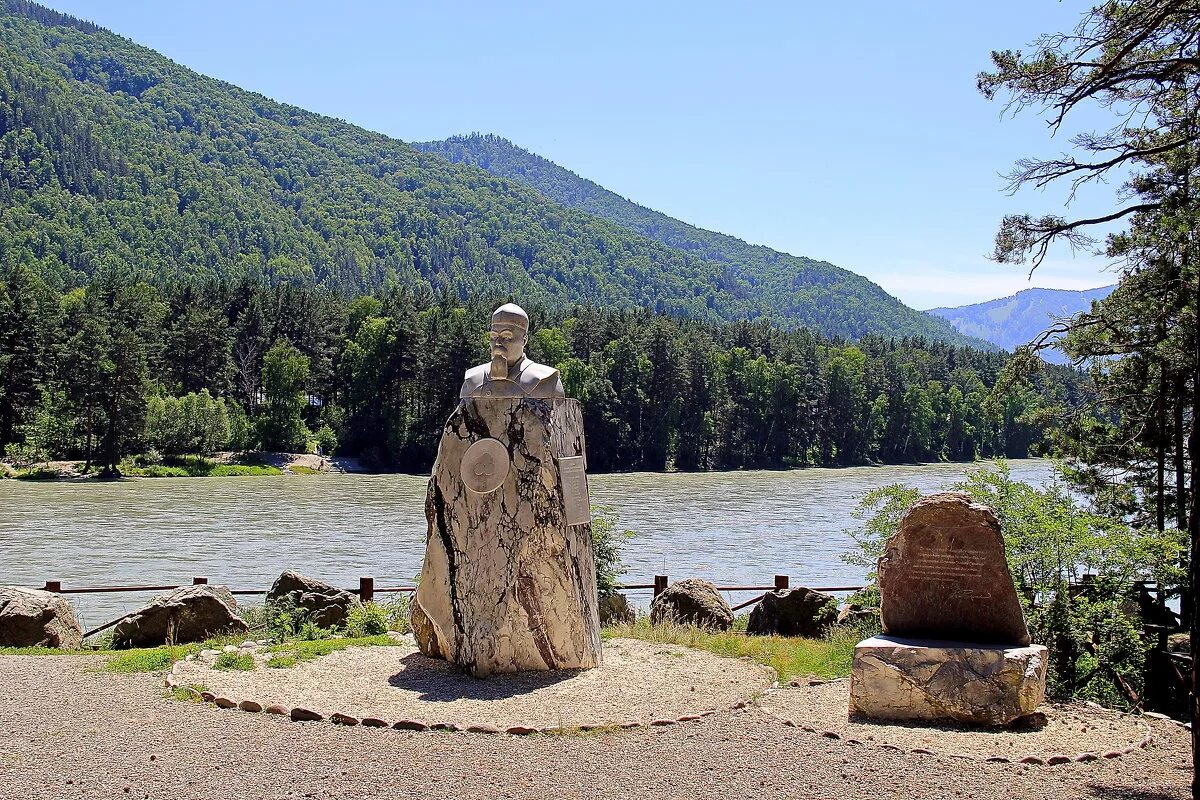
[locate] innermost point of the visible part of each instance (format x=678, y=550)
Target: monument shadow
x=440, y=681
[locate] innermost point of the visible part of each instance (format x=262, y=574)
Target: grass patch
x=37, y=474
x=242, y=470
x=289, y=654
x=42, y=651
x=234, y=662
x=153, y=659
x=155, y=471
x=299, y=469
x=189, y=693
x=195, y=467
x=789, y=657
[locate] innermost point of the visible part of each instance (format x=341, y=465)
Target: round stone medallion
x=484, y=466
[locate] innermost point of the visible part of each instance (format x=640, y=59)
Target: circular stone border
x=1053, y=759
x=301, y=713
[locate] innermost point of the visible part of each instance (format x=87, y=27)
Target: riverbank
x=226, y=464
x=254, y=463
x=70, y=730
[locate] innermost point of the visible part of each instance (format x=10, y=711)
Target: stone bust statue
x=510, y=373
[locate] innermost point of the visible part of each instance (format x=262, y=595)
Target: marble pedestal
x=934, y=680
x=508, y=583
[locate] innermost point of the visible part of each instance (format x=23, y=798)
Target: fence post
x=53, y=586
x=660, y=584
x=366, y=589
x=199, y=580
x=781, y=582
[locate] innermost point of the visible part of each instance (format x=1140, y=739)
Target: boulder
x=692, y=602
x=33, y=618
x=186, y=614
x=944, y=575
x=913, y=679
x=323, y=605
x=793, y=612
x=854, y=614
x=615, y=610
x=509, y=578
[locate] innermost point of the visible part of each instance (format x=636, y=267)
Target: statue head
x=510, y=333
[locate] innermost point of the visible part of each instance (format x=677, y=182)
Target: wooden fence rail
x=367, y=590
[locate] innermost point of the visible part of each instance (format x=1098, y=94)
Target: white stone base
x=927, y=679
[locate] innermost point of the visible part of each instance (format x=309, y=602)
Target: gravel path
x=638, y=682
x=1069, y=729
x=68, y=731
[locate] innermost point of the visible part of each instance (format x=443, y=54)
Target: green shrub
x=399, y=609
x=326, y=439
x=607, y=542
x=367, y=619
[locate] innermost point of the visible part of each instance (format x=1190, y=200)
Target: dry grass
x=826, y=658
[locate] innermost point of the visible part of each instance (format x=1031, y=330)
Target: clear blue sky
x=850, y=133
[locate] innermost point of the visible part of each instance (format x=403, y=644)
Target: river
x=728, y=527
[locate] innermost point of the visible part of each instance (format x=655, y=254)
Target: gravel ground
x=68, y=731
x=1070, y=729
x=638, y=682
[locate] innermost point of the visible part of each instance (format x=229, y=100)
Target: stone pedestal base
x=509, y=580
x=927, y=679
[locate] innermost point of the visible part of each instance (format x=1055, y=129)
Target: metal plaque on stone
x=485, y=466
x=575, y=491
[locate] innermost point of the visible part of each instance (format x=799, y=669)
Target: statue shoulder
x=540, y=380
x=536, y=372
x=474, y=379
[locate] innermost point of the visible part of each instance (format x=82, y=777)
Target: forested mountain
x=186, y=267
x=1011, y=322
x=802, y=290
x=111, y=153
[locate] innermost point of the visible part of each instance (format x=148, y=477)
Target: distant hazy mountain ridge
x=815, y=293
x=1017, y=320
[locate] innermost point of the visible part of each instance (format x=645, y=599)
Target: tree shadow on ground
x=442, y=682
x=1125, y=792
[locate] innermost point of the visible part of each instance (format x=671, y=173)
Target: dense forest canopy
x=118, y=367
x=112, y=154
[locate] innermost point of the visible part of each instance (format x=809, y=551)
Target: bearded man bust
x=511, y=373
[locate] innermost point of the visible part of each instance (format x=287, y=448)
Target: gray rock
x=692, y=602
x=186, y=614
x=323, y=605
x=33, y=618
x=913, y=679
x=853, y=614
x=793, y=612
x=615, y=610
